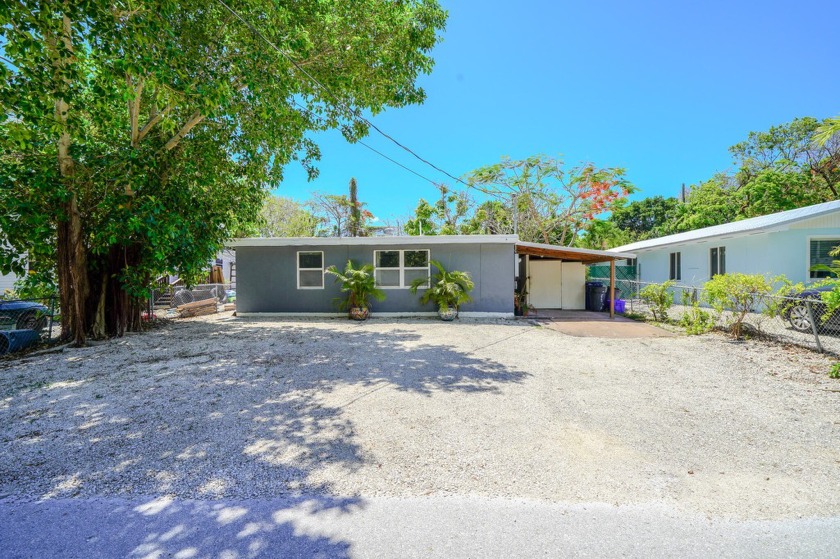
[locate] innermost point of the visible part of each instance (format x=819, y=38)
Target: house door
x=545, y=279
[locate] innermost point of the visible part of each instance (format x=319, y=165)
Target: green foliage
x=659, y=298
x=739, y=294
x=694, y=319
x=36, y=285
x=169, y=120
x=827, y=130
x=603, y=235
x=645, y=219
x=792, y=148
x=285, y=217
x=831, y=300
x=834, y=372
x=423, y=222
x=548, y=202
x=492, y=217
x=359, y=284
x=445, y=217
x=446, y=289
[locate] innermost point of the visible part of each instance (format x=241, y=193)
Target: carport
x=556, y=276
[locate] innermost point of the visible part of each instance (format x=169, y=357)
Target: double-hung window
x=310, y=270
x=398, y=269
x=717, y=261
x=675, y=272
x=819, y=254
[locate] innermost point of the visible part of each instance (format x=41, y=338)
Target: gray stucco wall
x=267, y=278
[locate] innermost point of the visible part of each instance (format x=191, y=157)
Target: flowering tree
x=550, y=203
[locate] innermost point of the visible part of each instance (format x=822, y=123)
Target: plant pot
x=448, y=314
x=359, y=313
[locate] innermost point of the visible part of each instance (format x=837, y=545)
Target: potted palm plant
x=360, y=286
x=448, y=290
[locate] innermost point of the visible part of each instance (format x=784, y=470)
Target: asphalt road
x=428, y=527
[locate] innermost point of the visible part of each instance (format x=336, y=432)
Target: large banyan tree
x=138, y=135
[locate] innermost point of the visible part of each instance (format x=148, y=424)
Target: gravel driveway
x=227, y=408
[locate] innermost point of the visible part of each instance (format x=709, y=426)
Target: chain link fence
x=800, y=320
x=27, y=322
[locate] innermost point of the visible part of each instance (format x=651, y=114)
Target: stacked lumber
x=197, y=308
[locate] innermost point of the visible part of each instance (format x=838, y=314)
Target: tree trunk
x=72, y=274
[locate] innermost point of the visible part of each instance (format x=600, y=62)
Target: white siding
x=770, y=254
x=7, y=282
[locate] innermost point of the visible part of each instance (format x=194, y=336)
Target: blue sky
x=659, y=88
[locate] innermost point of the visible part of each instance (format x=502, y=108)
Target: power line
x=394, y=161
x=341, y=104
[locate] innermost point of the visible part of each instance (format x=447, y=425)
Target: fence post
x=813, y=325
x=52, y=312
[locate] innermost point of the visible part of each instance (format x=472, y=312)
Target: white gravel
x=220, y=407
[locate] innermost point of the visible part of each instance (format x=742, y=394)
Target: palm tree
x=448, y=290
x=360, y=286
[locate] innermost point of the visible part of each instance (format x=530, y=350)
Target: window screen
x=400, y=268
x=310, y=270
x=675, y=273
x=819, y=254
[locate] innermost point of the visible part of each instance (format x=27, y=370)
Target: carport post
x=612, y=288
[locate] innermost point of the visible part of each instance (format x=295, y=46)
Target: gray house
x=285, y=276
x=785, y=243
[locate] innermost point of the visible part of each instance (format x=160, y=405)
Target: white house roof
x=760, y=224
x=364, y=241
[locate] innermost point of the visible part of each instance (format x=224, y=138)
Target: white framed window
x=818, y=253
x=310, y=269
x=676, y=269
x=717, y=261
x=398, y=269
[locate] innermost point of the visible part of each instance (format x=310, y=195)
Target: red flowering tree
x=549, y=203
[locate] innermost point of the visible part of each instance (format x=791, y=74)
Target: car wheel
x=31, y=320
x=799, y=319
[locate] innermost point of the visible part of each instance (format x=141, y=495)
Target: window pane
x=722, y=259
x=714, y=266
x=388, y=278
x=388, y=259
x=411, y=275
x=819, y=255
x=310, y=260
x=311, y=278
x=416, y=259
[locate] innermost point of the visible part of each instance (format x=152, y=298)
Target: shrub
x=738, y=293
x=695, y=320
x=659, y=298
x=447, y=289
x=359, y=285
x=834, y=372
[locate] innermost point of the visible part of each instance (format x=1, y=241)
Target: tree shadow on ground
x=214, y=410
x=152, y=528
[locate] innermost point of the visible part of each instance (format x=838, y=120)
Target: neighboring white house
x=787, y=243
x=7, y=282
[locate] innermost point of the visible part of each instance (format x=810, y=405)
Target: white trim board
x=420, y=241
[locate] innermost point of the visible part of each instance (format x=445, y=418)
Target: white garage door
x=546, y=278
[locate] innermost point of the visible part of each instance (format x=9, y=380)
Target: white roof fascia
x=575, y=250
x=367, y=241
x=770, y=223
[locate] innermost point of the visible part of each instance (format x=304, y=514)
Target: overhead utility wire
x=326, y=89
x=394, y=161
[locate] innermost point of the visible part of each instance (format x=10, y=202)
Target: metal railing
x=795, y=319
